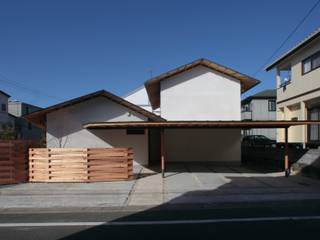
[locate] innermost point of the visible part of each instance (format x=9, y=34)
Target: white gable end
x=200, y=94
x=140, y=98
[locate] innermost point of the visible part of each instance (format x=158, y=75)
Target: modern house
x=187, y=96
x=260, y=107
x=24, y=128
x=298, y=90
x=140, y=98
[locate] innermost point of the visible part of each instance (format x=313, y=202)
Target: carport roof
x=198, y=124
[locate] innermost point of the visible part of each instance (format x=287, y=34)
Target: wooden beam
x=286, y=155
x=162, y=151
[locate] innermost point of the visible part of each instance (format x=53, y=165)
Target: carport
x=243, y=125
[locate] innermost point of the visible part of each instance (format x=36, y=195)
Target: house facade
x=196, y=92
x=6, y=119
x=298, y=90
x=140, y=98
x=260, y=107
x=4, y=116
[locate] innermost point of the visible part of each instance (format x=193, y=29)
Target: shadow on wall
x=169, y=211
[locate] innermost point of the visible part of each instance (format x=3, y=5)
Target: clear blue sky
x=70, y=48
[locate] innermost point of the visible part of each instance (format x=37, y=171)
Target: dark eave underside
x=198, y=124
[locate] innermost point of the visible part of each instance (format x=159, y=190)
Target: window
x=311, y=63
x=27, y=110
x=307, y=66
x=272, y=105
x=135, y=131
x=246, y=108
x=3, y=107
x=314, y=130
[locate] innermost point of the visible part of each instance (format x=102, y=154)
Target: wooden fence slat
x=14, y=160
x=80, y=164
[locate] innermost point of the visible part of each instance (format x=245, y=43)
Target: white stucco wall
x=200, y=94
x=140, y=97
x=64, y=127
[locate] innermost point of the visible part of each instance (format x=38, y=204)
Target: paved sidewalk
x=184, y=184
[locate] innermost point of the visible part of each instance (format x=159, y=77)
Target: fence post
x=87, y=164
x=49, y=163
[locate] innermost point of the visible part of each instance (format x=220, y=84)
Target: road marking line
x=166, y=222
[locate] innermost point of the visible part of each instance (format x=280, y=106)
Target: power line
x=34, y=91
x=288, y=37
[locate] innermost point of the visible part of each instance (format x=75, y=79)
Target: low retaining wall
x=14, y=161
x=80, y=164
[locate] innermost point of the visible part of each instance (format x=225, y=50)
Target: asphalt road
x=286, y=220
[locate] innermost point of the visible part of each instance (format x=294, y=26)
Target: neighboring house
x=5, y=118
x=24, y=128
x=298, y=90
x=199, y=91
x=260, y=107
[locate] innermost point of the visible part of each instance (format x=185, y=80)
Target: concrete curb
x=165, y=207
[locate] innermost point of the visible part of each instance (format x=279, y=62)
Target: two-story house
x=298, y=90
x=4, y=117
x=197, y=92
x=6, y=120
x=260, y=107
x=24, y=128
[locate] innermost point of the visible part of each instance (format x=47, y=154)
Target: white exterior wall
x=140, y=97
x=201, y=94
x=64, y=127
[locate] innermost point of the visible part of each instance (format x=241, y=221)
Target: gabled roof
x=153, y=85
x=39, y=117
x=313, y=36
x=4, y=93
x=265, y=94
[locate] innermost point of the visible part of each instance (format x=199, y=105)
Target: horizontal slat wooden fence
x=80, y=164
x=14, y=160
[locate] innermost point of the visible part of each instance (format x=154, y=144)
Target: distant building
x=298, y=90
x=260, y=107
x=24, y=128
x=5, y=118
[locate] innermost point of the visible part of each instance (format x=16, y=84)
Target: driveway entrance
x=184, y=184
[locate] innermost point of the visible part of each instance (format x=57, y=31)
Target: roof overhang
x=294, y=50
x=39, y=117
x=153, y=85
x=198, y=124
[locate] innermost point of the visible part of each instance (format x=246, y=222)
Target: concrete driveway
x=184, y=184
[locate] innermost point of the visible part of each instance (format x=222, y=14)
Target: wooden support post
x=286, y=154
x=162, y=151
